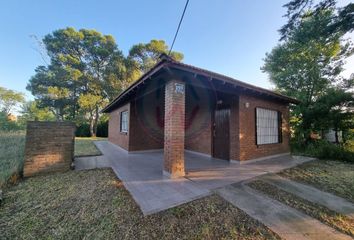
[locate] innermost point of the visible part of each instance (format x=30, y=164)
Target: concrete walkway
x=311, y=194
x=222, y=173
x=287, y=222
x=141, y=174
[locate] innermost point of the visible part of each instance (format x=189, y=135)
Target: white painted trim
x=146, y=151
x=197, y=153
x=258, y=159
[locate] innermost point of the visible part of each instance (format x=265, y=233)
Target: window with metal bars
x=268, y=126
x=124, y=122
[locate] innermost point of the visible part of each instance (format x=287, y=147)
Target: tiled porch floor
x=141, y=174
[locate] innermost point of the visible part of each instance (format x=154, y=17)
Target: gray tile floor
x=141, y=174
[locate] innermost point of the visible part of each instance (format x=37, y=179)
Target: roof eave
x=145, y=76
x=168, y=62
x=233, y=81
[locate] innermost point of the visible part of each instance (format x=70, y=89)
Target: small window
x=124, y=121
x=268, y=126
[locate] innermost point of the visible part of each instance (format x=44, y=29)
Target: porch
x=141, y=174
x=178, y=107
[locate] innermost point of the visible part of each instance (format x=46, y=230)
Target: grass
x=86, y=147
x=95, y=205
x=12, y=146
x=330, y=176
x=338, y=221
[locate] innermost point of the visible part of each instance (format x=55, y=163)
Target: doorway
x=221, y=133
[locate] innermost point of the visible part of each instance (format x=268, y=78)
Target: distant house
x=330, y=136
x=178, y=107
x=336, y=136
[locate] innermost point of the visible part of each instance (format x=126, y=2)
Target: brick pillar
x=174, y=129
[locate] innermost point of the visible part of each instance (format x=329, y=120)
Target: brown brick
x=182, y=134
x=49, y=147
x=247, y=129
x=114, y=134
x=174, y=130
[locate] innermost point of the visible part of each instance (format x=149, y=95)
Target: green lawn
x=332, y=176
x=95, y=205
x=86, y=147
x=12, y=145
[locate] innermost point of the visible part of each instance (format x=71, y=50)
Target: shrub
x=102, y=129
x=83, y=130
x=323, y=150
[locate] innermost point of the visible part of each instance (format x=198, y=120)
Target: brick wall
x=199, y=105
x=114, y=134
x=247, y=128
x=146, y=123
x=49, y=147
x=174, y=129
x=242, y=126
x=201, y=142
x=147, y=133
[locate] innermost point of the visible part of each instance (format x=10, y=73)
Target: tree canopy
x=31, y=112
x=308, y=62
x=343, y=21
x=146, y=55
x=9, y=99
x=87, y=70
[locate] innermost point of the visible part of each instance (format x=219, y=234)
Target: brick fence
x=49, y=147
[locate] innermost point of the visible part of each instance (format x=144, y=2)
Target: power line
x=179, y=25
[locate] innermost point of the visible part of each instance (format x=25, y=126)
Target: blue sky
x=226, y=36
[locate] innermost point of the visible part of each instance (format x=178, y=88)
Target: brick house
x=178, y=107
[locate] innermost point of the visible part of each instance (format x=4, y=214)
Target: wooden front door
x=221, y=133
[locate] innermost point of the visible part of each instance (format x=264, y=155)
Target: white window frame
x=268, y=126
x=124, y=121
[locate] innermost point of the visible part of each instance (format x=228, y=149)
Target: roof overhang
x=167, y=63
